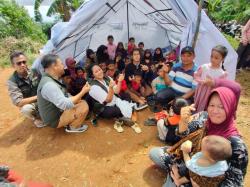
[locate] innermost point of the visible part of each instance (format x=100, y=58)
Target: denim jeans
x=158, y=155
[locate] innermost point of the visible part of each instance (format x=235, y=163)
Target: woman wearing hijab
x=120, y=50
x=158, y=55
x=71, y=66
x=218, y=119
x=147, y=55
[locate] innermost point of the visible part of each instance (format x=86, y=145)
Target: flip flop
x=136, y=128
x=150, y=122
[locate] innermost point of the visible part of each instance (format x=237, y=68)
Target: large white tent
x=158, y=23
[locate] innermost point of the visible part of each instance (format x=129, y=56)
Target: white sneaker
x=39, y=124
x=141, y=106
x=136, y=128
x=71, y=129
x=118, y=126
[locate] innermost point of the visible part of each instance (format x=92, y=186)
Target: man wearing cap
x=56, y=107
x=22, y=87
x=180, y=79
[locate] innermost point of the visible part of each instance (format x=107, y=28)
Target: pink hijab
x=69, y=62
x=229, y=100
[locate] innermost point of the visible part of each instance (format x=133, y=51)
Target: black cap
x=187, y=49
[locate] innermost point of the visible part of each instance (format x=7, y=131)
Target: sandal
x=136, y=128
x=118, y=126
x=150, y=122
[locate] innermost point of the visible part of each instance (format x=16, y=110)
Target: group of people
x=194, y=107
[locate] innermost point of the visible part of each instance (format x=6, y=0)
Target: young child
x=123, y=94
x=137, y=87
x=131, y=45
x=158, y=55
x=68, y=81
x=207, y=167
x=171, y=57
x=119, y=62
x=158, y=83
x=127, y=61
x=166, y=124
x=80, y=80
x=205, y=75
x=111, y=47
x=111, y=69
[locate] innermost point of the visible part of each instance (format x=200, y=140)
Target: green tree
x=226, y=10
x=15, y=21
x=61, y=7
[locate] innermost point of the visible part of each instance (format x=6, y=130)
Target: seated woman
x=157, y=55
x=219, y=119
x=107, y=104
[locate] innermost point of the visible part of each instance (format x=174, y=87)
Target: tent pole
x=128, y=20
x=197, y=24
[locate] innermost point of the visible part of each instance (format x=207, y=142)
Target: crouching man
x=56, y=107
x=22, y=87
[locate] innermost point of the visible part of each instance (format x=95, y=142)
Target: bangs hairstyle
x=221, y=49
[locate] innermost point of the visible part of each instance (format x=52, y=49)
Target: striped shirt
x=183, y=81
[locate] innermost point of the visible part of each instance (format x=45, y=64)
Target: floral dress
x=234, y=176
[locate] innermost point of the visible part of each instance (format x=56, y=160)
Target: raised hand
x=121, y=77
x=165, y=68
x=111, y=84
x=86, y=87
x=144, y=67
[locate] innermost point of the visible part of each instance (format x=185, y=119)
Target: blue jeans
x=159, y=156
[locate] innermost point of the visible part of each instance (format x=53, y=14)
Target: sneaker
x=141, y=106
x=39, y=124
x=118, y=126
x=136, y=128
x=71, y=129
x=94, y=122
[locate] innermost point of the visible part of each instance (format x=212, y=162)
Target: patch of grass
x=234, y=42
x=27, y=45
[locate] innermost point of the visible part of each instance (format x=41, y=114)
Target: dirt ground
x=98, y=158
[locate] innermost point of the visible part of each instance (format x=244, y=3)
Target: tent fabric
x=158, y=23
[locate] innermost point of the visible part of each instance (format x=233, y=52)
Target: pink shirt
x=111, y=51
x=246, y=33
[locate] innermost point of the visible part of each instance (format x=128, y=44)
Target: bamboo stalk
x=197, y=23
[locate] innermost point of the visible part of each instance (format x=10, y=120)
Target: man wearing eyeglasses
x=22, y=87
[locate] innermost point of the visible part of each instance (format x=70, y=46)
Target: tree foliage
x=226, y=10
x=62, y=7
x=15, y=21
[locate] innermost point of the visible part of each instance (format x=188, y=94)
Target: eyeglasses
x=21, y=62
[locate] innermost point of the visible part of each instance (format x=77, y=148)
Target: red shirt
x=124, y=86
x=131, y=47
x=135, y=85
